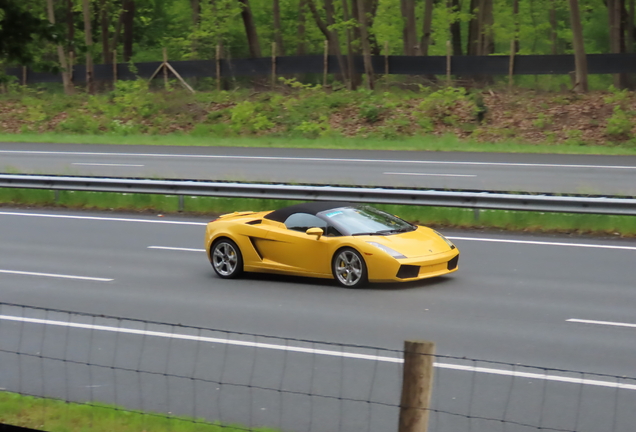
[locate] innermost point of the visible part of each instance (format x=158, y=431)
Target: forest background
x=50, y=34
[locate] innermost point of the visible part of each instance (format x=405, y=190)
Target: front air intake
x=452, y=264
x=408, y=271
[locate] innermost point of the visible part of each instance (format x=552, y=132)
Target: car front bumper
x=410, y=269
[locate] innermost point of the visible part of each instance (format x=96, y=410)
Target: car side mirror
x=318, y=232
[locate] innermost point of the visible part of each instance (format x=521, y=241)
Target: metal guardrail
x=474, y=200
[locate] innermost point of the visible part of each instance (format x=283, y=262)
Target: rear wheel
x=349, y=268
x=227, y=260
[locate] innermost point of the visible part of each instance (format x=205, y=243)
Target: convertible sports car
x=352, y=244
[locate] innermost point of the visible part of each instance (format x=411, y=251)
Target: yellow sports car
x=352, y=244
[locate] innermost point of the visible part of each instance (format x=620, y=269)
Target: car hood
x=421, y=242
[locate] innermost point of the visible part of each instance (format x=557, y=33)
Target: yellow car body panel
x=268, y=246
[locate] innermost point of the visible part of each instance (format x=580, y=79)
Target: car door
x=291, y=249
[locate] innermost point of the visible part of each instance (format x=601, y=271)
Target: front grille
x=452, y=264
x=408, y=271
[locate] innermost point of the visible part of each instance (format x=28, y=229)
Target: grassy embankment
x=309, y=117
x=54, y=415
x=297, y=115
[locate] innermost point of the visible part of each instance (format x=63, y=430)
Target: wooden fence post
x=325, y=64
x=511, y=65
x=417, y=385
x=273, y=65
x=448, y=63
x=71, y=59
x=24, y=75
x=114, y=67
x=218, y=67
x=386, y=57
x=165, y=68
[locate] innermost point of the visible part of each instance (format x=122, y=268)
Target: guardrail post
x=417, y=385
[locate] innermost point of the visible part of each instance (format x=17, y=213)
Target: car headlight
x=393, y=253
x=448, y=242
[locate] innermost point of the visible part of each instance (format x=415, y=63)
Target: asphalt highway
x=604, y=175
x=549, y=301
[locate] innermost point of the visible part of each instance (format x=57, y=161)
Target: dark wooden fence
x=315, y=64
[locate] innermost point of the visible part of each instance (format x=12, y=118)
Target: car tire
x=349, y=269
x=226, y=259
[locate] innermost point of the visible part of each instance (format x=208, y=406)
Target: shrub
x=619, y=124
x=133, y=98
x=247, y=116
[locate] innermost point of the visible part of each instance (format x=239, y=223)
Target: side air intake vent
x=254, y=222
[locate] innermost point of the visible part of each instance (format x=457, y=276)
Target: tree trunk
x=278, y=35
x=70, y=23
x=580, y=59
x=128, y=21
x=366, y=49
x=330, y=35
x=196, y=11
x=350, y=66
x=480, y=35
x=426, y=27
x=107, y=58
x=330, y=11
x=66, y=76
x=553, y=27
x=515, y=14
x=117, y=33
x=616, y=36
x=301, y=49
x=473, y=29
x=455, y=28
x=250, y=29
x=409, y=31
x=487, y=21
x=629, y=42
x=88, y=38
x=372, y=10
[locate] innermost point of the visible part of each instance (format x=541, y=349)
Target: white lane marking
x=176, y=249
x=61, y=276
x=97, y=218
x=315, y=159
x=429, y=174
x=106, y=164
x=539, y=376
x=607, y=323
x=544, y=243
x=172, y=222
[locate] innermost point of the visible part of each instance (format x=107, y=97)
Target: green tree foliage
x=21, y=31
x=171, y=24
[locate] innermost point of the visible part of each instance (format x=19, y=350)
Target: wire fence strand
x=201, y=375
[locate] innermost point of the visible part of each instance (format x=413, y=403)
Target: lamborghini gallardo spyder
x=353, y=244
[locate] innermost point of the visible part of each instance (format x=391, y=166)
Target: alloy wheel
x=225, y=259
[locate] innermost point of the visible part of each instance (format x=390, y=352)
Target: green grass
x=432, y=216
x=422, y=143
x=55, y=415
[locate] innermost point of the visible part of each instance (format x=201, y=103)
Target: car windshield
x=365, y=220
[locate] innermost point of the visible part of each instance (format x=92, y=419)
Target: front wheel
x=349, y=268
x=227, y=260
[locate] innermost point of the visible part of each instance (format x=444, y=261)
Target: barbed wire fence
x=249, y=382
